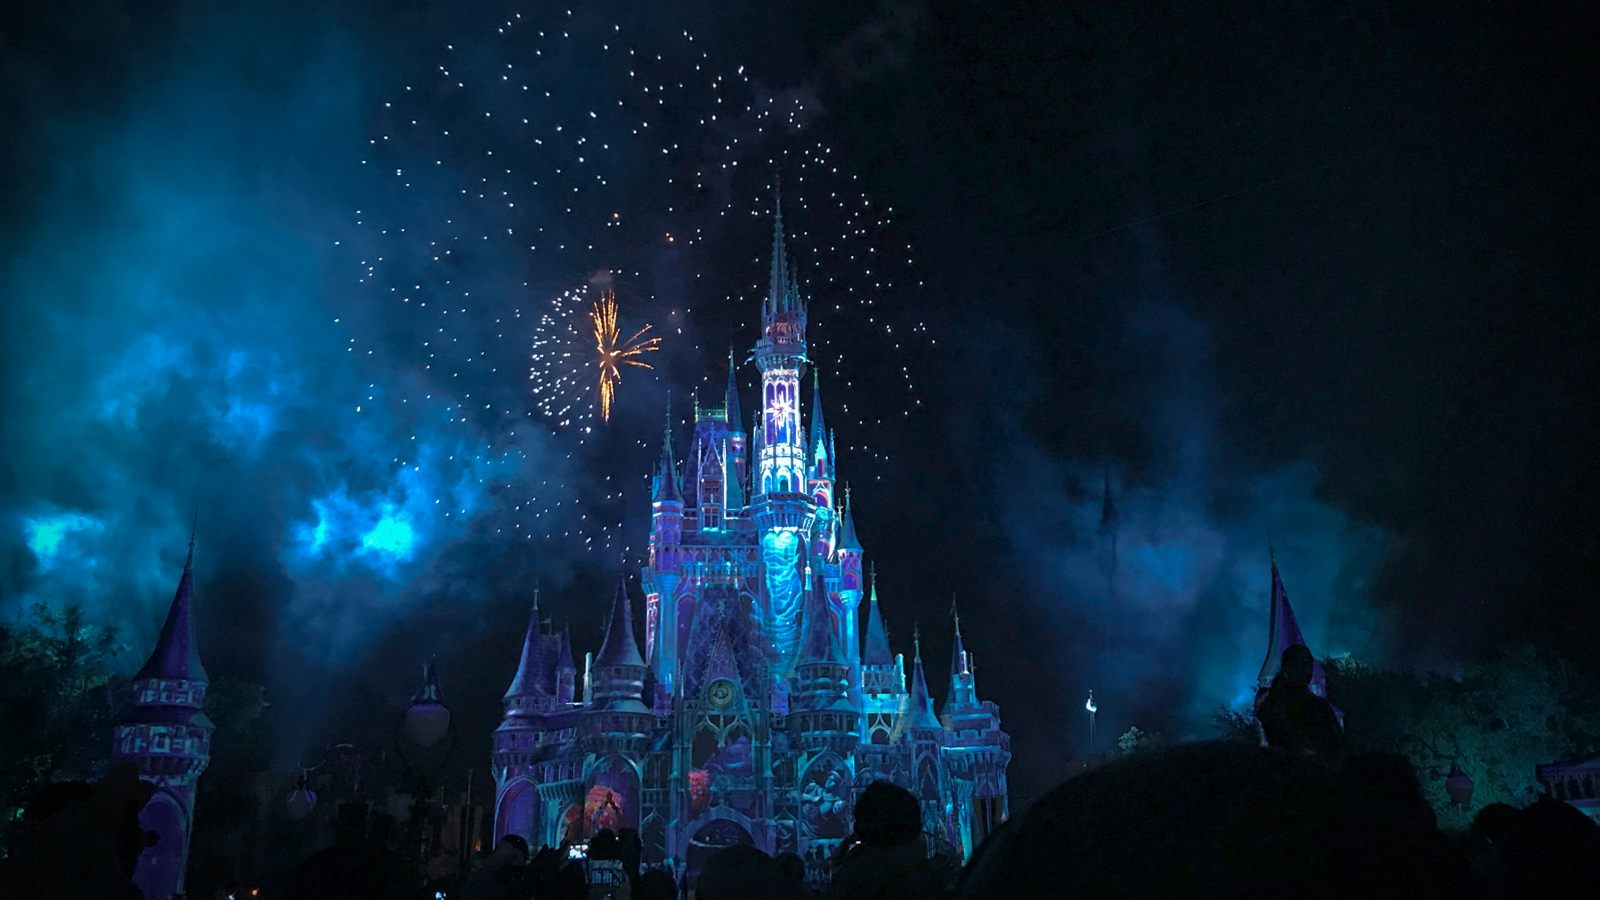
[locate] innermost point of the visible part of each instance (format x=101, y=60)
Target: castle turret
x=820, y=482
x=532, y=690
x=618, y=673
x=168, y=737
x=976, y=754
x=823, y=710
x=780, y=354
x=963, y=694
x=1283, y=632
x=661, y=577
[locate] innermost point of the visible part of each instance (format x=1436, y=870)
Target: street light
x=427, y=720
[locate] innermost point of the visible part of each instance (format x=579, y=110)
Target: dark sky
x=1316, y=275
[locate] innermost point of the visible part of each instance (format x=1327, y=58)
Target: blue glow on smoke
x=393, y=536
x=46, y=534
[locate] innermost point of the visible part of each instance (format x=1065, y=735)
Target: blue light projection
x=780, y=550
x=393, y=536
x=47, y=533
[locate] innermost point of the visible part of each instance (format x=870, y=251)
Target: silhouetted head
x=792, y=866
x=740, y=871
x=512, y=850
x=1297, y=666
x=656, y=884
x=887, y=814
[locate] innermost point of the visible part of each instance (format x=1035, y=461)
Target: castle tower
x=1283, y=632
x=883, y=676
x=785, y=518
x=662, y=577
x=922, y=736
x=780, y=354
x=168, y=737
x=976, y=754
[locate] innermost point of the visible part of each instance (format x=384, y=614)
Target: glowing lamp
x=1458, y=785
x=427, y=721
x=302, y=800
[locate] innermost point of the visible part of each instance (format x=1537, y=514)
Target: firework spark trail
x=612, y=354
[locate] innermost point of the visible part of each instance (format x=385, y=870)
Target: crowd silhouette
x=1293, y=817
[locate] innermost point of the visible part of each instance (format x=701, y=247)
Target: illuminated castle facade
x=759, y=703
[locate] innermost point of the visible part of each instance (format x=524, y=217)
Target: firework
x=551, y=151
x=612, y=354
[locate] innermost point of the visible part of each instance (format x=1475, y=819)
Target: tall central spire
x=778, y=283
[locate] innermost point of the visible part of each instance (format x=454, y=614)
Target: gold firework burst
x=614, y=353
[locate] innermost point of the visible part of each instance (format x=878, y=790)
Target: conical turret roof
x=176, y=655
x=1283, y=632
x=666, y=487
x=819, y=639
x=531, y=665
x=819, y=430
x=877, y=652
x=919, y=702
x=847, y=531
x=619, y=647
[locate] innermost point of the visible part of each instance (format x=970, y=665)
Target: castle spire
x=877, y=652
x=963, y=686
x=665, y=488
x=778, y=282
x=531, y=665
x=619, y=648
x=919, y=701
x=166, y=735
x=819, y=431
x=176, y=655
x=847, y=536
x=819, y=639
x=1283, y=632
x=959, y=664
x=731, y=398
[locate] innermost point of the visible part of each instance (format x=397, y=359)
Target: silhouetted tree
x=57, y=698
x=1497, y=721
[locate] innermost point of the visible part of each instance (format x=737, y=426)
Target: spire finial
x=955, y=613
x=778, y=284
x=1272, y=555
x=916, y=640
x=194, y=526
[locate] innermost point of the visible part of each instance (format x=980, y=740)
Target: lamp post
x=1089, y=705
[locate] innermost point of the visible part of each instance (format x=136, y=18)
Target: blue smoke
x=1160, y=595
x=172, y=346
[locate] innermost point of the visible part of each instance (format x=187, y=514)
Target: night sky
x=1318, y=276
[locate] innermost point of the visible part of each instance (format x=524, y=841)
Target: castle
x=759, y=704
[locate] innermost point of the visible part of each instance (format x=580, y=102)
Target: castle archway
x=518, y=812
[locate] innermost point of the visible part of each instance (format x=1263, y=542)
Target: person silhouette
x=1292, y=717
